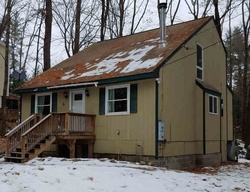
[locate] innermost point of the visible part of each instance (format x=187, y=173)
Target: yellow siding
x=199, y=120
x=26, y=101
x=181, y=100
x=135, y=129
x=62, y=102
x=2, y=52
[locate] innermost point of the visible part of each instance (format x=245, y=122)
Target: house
x=12, y=101
x=159, y=96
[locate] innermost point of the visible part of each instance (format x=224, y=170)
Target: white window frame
x=128, y=99
x=43, y=94
x=217, y=99
x=198, y=67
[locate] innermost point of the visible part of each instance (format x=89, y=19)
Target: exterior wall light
x=87, y=92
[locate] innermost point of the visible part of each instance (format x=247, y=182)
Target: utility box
x=161, y=136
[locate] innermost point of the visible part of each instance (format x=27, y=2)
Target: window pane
x=121, y=93
x=111, y=106
x=199, y=56
x=12, y=104
x=120, y=106
x=44, y=110
x=199, y=73
x=215, y=104
x=43, y=100
x=111, y=94
x=78, y=97
x=210, y=104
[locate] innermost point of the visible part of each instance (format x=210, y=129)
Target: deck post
x=7, y=146
x=67, y=123
x=90, y=149
x=72, y=146
x=23, y=147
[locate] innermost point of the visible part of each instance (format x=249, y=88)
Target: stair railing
x=13, y=138
x=36, y=133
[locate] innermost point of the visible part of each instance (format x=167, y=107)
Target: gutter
x=73, y=85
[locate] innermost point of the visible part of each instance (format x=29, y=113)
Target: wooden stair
x=16, y=156
x=29, y=139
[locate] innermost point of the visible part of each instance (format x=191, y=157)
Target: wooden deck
x=67, y=127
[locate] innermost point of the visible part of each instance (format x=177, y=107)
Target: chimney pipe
x=162, y=17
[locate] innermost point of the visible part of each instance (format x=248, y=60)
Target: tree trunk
x=47, y=39
x=77, y=27
x=121, y=8
x=217, y=16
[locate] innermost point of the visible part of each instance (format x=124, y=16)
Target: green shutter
x=54, y=102
x=102, y=101
x=133, y=98
x=32, y=104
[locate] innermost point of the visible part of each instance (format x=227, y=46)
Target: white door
x=77, y=100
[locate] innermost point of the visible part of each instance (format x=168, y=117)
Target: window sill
x=117, y=113
x=213, y=113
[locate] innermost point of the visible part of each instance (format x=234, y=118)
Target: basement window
x=199, y=62
x=43, y=104
x=213, y=104
x=117, y=99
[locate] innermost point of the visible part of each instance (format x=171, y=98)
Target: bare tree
x=47, y=38
x=193, y=7
x=246, y=86
x=65, y=19
x=220, y=15
x=173, y=10
x=77, y=27
x=136, y=10
x=104, y=17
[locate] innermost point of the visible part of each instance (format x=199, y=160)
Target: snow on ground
x=80, y=175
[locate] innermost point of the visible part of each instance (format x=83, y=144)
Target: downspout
x=220, y=125
x=20, y=108
x=156, y=117
x=204, y=122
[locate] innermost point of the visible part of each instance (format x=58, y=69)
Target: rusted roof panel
x=125, y=56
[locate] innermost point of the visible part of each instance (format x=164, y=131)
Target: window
x=199, y=64
x=213, y=104
x=12, y=104
x=43, y=104
x=117, y=99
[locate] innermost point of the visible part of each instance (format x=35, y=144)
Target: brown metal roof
x=125, y=56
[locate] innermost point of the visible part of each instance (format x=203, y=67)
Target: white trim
x=83, y=98
x=73, y=85
x=217, y=99
x=198, y=67
x=43, y=94
x=128, y=99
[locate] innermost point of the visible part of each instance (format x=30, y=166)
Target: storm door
x=77, y=101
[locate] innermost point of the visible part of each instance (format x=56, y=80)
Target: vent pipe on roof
x=162, y=17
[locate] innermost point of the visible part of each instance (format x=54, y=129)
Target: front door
x=77, y=100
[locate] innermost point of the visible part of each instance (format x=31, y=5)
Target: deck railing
x=36, y=133
x=70, y=123
x=13, y=138
x=35, y=128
